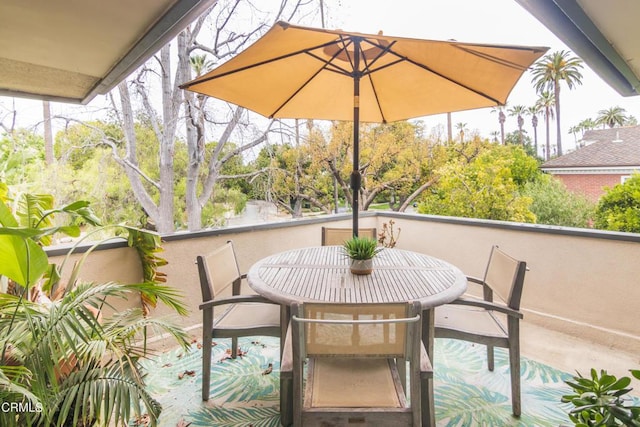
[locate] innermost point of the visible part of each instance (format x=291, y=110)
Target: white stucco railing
x=581, y=282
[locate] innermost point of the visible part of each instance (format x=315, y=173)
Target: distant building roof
x=607, y=148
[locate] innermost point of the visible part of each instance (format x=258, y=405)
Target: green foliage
x=80, y=369
x=619, y=208
x=59, y=351
x=553, y=204
x=361, y=247
x=28, y=227
x=483, y=180
x=600, y=400
x=21, y=157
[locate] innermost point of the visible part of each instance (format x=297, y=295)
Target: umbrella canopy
x=310, y=73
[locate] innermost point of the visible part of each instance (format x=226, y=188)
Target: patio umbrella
x=309, y=73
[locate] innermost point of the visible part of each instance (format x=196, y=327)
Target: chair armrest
x=235, y=299
x=286, y=363
x=487, y=305
x=474, y=279
x=426, y=369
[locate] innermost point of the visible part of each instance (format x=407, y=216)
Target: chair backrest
x=337, y=236
x=505, y=276
x=357, y=330
x=217, y=271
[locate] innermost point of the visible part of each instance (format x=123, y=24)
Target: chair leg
x=514, y=365
x=206, y=352
x=490, y=358
x=286, y=401
x=514, y=368
x=428, y=406
x=234, y=347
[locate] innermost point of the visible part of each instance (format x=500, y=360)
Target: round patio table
x=321, y=274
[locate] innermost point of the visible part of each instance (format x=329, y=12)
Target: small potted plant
x=361, y=250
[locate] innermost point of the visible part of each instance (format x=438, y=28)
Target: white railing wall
x=580, y=282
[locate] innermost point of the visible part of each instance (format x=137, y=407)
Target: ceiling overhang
x=605, y=34
x=73, y=50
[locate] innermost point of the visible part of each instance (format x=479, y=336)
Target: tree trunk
x=130, y=163
x=48, y=134
x=534, y=122
x=558, y=130
x=195, y=145
x=501, y=120
x=547, y=155
x=171, y=100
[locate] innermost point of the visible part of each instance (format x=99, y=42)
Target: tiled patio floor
x=466, y=393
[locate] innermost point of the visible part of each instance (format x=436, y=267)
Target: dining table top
x=322, y=274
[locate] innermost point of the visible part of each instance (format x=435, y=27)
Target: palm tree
x=587, y=124
x=518, y=111
x=494, y=135
x=546, y=101
x=501, y=119
x=574, y=130
x=533, y=111
x=200, y=64
x=549, y=72
x=462, y=128
x=79, y=364
x=614, y=116
x=582, y=127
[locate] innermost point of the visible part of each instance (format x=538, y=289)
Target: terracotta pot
x=361, y=266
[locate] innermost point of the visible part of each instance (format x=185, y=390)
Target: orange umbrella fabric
x=301, y=72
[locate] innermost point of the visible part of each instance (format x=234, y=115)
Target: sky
x=486, y=21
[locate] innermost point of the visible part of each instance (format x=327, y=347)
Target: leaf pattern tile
x=466, y=393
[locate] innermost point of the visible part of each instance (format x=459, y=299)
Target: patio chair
x=337, y=236
x=238, y=315
x=482, y=321
x=356, y=370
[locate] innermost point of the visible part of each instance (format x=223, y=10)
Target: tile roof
x=608, y=147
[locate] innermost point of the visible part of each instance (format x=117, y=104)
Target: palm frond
x=169, y=295
x=107, y=393
x=129, y=326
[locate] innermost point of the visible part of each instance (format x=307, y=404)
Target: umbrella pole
x=355, y=173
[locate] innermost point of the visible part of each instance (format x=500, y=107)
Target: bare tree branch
x=416, y=193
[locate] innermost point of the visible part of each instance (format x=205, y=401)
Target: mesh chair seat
x=470, y=320
x=347, y=383
x=362, y=361
x=249, y=315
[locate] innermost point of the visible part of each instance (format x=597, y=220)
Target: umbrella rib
x=493, y=59
x=429, y=69
x=325, y=65
x=329, y=66
x=254, y=65
x=384, y=49
x=368, y=71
